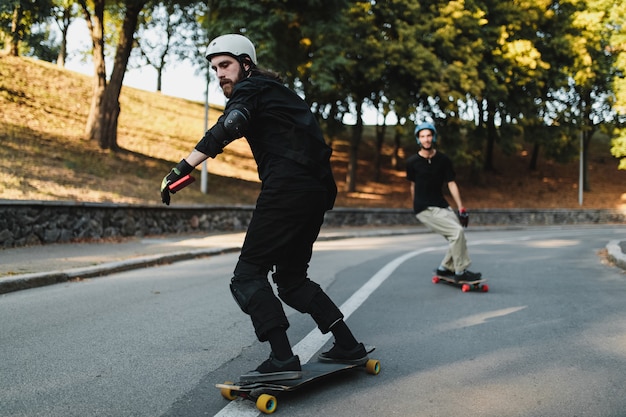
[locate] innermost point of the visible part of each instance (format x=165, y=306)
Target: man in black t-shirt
x=428, y=171
x=297, y=188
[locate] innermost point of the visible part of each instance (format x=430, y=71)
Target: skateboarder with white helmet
x=429, y=170
x=297, y=188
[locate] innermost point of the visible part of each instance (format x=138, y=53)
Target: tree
x=618, y=147
x=593, y=71
x=618, y=48
x=41, y=42
x=282, y=31
x=538, y=102
x=105, y=107
x=401, y=27
x=302, y=40
x=172, y=29
x=17, y=19
x=509, y=62
x=64, y=12
x=455, y=38
x=362, y=73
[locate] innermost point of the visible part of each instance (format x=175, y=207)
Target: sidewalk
x=35, y=266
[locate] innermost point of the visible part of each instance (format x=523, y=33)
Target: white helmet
x=234, y=45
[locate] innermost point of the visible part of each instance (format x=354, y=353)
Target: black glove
x=463, y=217
x=179, y=171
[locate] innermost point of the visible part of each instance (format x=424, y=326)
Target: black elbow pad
x=228, y=128
x=236, y=123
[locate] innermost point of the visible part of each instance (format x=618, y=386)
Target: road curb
x=615, y=253
x=40, y=279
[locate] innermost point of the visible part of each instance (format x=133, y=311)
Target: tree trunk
x=62, y=51
x=95, y=24
x=109, y=114
x=586, y=142
x=12, y=44
x=397, y=139
x=353, y=158
x=380, y=139
x=534, y=157
x=159, y=79
x=64, y=27
x=491, y=137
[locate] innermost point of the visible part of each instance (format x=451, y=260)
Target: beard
x=227, y=87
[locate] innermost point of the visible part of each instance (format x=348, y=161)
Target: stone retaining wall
x=25, y=223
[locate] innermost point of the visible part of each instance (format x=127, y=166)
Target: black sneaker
x=337, y=354
x=275, y=370
x=467, y=276
x=443, y=272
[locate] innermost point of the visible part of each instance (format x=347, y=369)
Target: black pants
x=281, y=235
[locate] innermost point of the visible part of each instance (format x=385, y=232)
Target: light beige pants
x=445, y=222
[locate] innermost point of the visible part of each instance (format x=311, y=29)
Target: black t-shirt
x=429, y=176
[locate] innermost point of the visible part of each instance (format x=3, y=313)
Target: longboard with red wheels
x=466, y=286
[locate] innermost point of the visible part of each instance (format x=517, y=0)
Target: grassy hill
x=44, y=155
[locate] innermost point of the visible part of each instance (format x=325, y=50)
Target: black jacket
x=284, y=136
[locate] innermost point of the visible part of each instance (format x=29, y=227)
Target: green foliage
x=284, y=32
x=618, y=82
x=560, y=144
x=618, y=147
x=17, y=19
x=42, y=44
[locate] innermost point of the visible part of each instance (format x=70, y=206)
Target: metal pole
x=580, y=176
x=204, y=177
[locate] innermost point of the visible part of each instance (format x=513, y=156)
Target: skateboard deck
x=263, y=394
x=465, y=286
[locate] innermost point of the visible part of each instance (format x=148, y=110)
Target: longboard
x=263, y=394
x=466, y=286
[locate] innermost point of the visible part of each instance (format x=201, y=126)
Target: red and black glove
x=178, y=172
x=463, y=217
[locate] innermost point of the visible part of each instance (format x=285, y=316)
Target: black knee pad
x=249, y=279
x=244, y=290
x=256, y=298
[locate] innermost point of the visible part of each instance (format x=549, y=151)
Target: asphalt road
x=548, y=339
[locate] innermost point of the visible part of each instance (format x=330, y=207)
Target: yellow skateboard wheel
x=227, y=392
x=266, y=403
x=372, y=367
